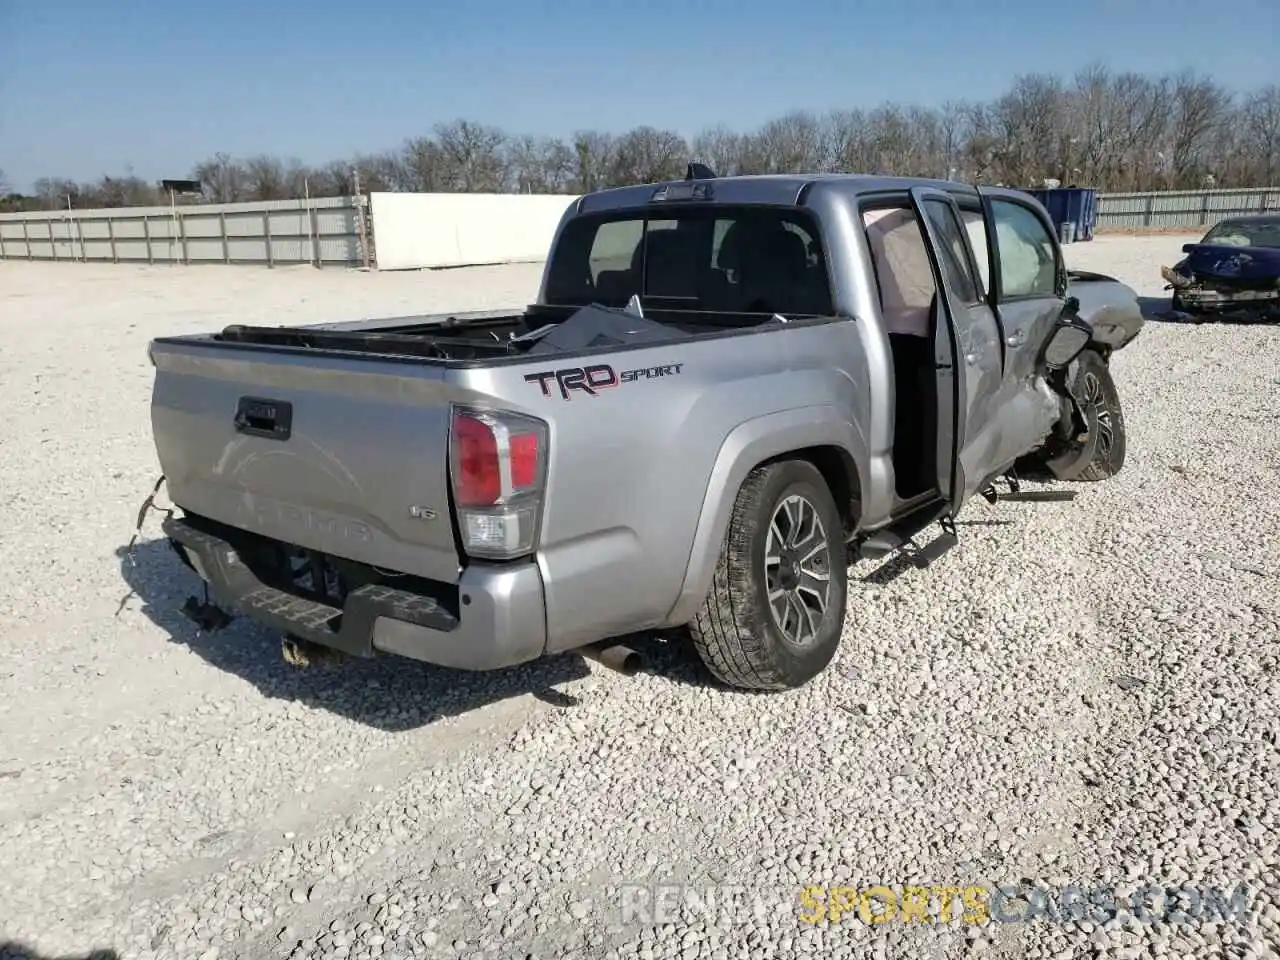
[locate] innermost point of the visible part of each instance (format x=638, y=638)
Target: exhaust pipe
x=615, y=656
x=303, y=653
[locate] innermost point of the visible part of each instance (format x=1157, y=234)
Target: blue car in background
x=1234, y=271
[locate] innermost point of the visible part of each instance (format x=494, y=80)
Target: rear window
x=722, y=259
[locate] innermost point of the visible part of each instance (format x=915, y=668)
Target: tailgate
x=342, y=455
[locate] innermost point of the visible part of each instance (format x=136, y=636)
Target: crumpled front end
x=1223, y=281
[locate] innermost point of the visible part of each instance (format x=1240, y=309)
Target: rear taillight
x=497, y=466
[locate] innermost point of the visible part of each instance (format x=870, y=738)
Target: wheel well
x=1104, y=350
x=841, y=474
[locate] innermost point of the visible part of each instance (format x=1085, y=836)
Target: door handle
x=1016, y=339
x=971, y=359
x=261, y=417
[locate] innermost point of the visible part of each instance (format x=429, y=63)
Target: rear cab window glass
x=712, y=258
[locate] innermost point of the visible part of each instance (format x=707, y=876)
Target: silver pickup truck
x=728, y=390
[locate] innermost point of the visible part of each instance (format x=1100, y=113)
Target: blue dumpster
x=1074, y=205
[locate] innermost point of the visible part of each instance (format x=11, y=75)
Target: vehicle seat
x=775, y=276
x=619, y=286
x=672, y=265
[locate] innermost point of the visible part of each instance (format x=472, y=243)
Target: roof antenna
x=633, y=306
x=699, y=171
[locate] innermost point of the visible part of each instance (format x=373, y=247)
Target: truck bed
x=464, y=338
x=336, y=438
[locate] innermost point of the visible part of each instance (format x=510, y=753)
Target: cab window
x=1028, y=265
x=975, y=225
x=719, y=258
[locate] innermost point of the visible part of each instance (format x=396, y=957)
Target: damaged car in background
x=1233, y=272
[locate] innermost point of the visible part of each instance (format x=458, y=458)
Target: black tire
x=1103, y=458
x=1191, y=314
x=1177, y=305
x=736, y=633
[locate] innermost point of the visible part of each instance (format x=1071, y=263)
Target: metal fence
x=322, y=231
x=338, y=231
x=1191, y=209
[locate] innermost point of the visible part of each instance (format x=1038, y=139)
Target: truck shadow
x=12, y=950
x=1160, y=310
x=390, y=693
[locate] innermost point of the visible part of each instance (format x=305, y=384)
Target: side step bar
x=935, y=548
x=899, y=536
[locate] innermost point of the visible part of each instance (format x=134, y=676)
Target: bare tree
x=57, y=193
x=1030, y=120
x=1199, y=107
x=954, y=126
x=793, y=143
x=593, y=153
x=422, y=166
x=1113, y=131
x=1261, y=114
x=850, y=141
x=472, y=156
x=224, y=180
x=126, y=191
x=541, y=165
x=719, y=148
x=646, y=154
x=266, y=179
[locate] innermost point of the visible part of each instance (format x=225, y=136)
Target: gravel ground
x=1084, y=693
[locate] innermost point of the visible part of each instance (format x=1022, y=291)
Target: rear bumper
x=501, y=619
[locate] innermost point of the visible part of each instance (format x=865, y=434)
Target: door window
x=1028, y=265
x=975, y=225
x=954, y=255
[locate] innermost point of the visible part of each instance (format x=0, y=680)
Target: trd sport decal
x=599, y=376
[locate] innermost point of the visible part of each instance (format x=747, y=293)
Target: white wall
x=415, y=230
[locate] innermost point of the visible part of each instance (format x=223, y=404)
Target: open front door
x=940, y=219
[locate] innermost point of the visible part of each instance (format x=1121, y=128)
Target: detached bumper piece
x=349, y=628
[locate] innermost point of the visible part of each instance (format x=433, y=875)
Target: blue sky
x=94, y=87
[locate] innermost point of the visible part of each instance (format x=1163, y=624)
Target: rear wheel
x=773, y=616
x=1102, y=455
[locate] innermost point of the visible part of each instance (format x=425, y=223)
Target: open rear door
x=932, y=207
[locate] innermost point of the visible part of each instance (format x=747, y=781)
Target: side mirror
x=1070, y=336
